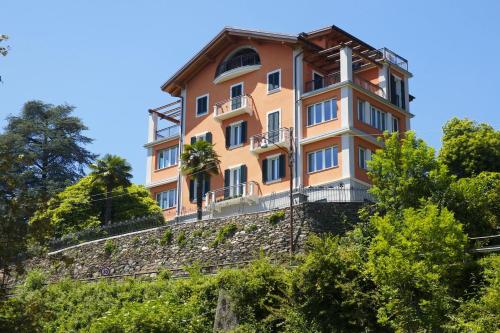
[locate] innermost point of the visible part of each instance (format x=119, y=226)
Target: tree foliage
x=414, y=260
x=404, y=172
x=83, y=205
x=470, y=148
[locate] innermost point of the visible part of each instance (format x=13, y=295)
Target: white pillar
x=149, y=165
x=345, y=64
x=346, y=109
x=297, y=105
x=152, y=126
x=347, y=142
x=383, y=80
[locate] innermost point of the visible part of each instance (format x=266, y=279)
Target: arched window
x=242, y=57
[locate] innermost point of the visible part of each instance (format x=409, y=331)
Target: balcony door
x=273, y=126
x=236, y=96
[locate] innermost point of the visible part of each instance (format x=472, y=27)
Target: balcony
x=233, y=107
x=167, y=133
x=261, y=143
x=394, y=58
x=232, y=195
x=367, y=85
x=237, y=65
x=326, y=81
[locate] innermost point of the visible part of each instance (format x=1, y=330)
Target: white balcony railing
x=270, y=140
x=230, y=195
x=233, y=107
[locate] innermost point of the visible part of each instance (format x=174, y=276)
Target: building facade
x=319, y=99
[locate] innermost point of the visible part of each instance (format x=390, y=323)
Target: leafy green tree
x=112, y=172
x=82, y=206
x=199, y=160
x=475, y=202
x=481, y=314
x=470, y=148
x=331, y=289
x=4, y=49
x=404, y=172
x=415, y=260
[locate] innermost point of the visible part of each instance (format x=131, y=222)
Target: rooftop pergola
x=170, y=112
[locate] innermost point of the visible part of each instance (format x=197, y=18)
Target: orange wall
x=273, y=56
x=359, y=173
x=169, y=172
x=370, y=75
x=324, y=176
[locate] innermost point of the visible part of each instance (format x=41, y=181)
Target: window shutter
x=191, y=190
x=367, y=113
x=208, y=137
x=282, y=167
x=228, y=136
x=244, y=132
x=389, y=123
x=403, y=95
x=193, y=139
x=393, y=90
x=207, y=184
x=264, y=170
x=227, y=176
x=243, y=174
x=368, y=157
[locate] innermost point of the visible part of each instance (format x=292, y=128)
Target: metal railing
x=369, y=86
x=232, y=104
x=264, y=140
x=231, y=192
x=236, y=62
x=167, y=132
x=394, y=58
x=324, y=82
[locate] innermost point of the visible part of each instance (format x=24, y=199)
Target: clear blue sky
x=109, y=58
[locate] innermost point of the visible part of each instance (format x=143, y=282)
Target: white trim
x=207, y=95
x=236, y=166
x=166, y=191
x=154, y=143
x=274, y=155
x=322, y=111
x=346, y=109
x=149, y=165
x=169, y=148
x=161, y=182
x=347, y=155
x=324, y=159
x=239, y=71
x=269, y=92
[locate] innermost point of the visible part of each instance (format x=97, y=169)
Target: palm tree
x=199, y=160
x=111, y=171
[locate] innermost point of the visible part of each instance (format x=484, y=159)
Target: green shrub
x=167, y=237
x=198, y=233
x=251, y=228
x=224, y=233
x=181, y=239
x=164, y=274
x=136, y=240
x=109, y=247
x=276, y=217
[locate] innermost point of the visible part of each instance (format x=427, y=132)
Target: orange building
x=255, y=95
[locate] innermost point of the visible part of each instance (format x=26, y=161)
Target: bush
x=276, y=217
x=181, y=239
x=109, y=247
x=167, y=237
x=224, y=233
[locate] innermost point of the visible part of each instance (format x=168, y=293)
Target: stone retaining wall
x=153, y=250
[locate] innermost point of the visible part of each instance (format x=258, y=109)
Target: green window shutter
x=208, y=137
x=193, y=139
x=264, y=170
x=228, y=136
x=282, y=167
x=227, y=176
x=244, y=132
x=191, y=190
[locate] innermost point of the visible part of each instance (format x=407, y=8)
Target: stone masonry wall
x=146, y=253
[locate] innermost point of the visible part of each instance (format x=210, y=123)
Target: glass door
x=236, y=96
x=273, y=126
x=235, y=189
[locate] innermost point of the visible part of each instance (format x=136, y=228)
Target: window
x=202, y=105
x=236, y=96
x=397, y=91
x=167, y=199
x=236, y=134
x=273, y=168
x=207, y=136
x=378, y=118
x=234, y=179
x=167, y=157
x=361, y=111
x=274, y=81
x=321, y=112
x=322, y=159
x=317, y=80
x=364, y=157
x=395, y=124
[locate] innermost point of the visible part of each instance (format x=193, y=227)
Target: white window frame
x=279, y=81
x=374, y=121
x=279, y=123
x=159, y=198
x=361, y=112
x=397, y=89
x=169, y=154
x=242, y=94
x=269, y=170
x=234, y=189
x=323, y=152
x=312, y=77
x=367, y=157
x=201, y=136
x=195, y=181
x=240, y=143
x=208, y=104
x=332, y=100
x=395, y=120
